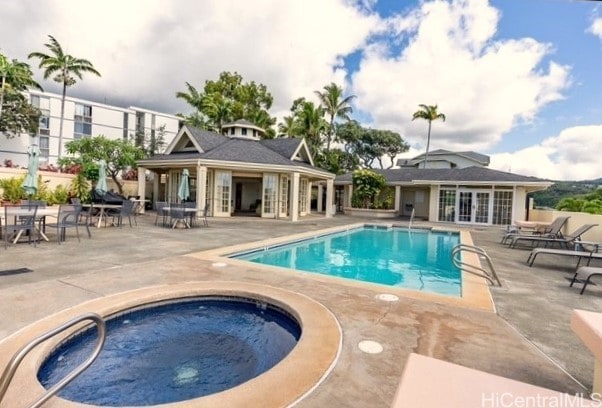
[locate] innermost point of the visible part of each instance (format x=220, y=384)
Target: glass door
x=474, y=206
x=465, y=206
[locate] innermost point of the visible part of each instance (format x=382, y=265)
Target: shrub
x=366, y=187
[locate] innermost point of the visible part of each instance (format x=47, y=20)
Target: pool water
x=418, y=260
x=174, y=352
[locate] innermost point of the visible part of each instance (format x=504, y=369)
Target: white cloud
x=596, y=27
x=484, y=86
x=147, y=49
x=574, y=154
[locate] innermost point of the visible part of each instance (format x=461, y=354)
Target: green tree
x=366, y=187
x=15, y=76
x=311, y=125
x=119, y=155
x=336, y=106
x=65, y=69
x=371, y=145
x=337, y=161
x=229, y=99
x=428, y=113
x=17, y=115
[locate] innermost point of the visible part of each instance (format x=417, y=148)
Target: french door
x=474, y=206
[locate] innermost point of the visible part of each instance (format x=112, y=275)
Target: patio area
x=529, y=339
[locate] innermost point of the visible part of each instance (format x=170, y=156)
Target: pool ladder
x=478, y=270
x=16, y=360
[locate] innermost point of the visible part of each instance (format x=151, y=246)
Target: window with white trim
x=303, y=183
x=82, y=121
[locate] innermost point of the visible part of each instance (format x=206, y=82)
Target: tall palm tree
x=428, y=112
x=66, y=67
x=15, y=76
x=336, y=106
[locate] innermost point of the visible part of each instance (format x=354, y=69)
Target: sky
x=518, y=80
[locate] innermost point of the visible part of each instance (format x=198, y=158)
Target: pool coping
x=288, y=381
x=475, y=289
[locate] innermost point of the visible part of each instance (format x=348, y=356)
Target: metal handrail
x=491, y=276
x=16, y=360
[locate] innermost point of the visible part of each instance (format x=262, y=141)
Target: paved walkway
x=528, y=340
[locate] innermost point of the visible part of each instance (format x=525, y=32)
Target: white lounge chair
x=587, y=250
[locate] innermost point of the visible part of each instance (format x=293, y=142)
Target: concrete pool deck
x=529, y=339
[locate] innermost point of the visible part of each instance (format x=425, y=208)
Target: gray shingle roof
x=220, y=147
x=467, y=174
x=285, y=146
x=481, y=158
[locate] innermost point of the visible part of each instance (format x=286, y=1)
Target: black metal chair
x=178, y=214
x=126, y=210
x=68, y=217
x=17, y=220
x=161, y=212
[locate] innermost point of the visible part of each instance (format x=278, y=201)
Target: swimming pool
x=417, y=259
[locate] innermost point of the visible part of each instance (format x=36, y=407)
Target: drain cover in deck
x=17, y=271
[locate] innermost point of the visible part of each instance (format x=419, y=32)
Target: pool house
x=239, y=174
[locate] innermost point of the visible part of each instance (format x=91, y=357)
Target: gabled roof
x=192, y=143
x=477, y=157
x=474, y=174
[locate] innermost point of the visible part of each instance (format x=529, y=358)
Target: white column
x=156, y=183
x=349, y=195
x=398, y=200
x=142, y=186
x=201, y=188
x=294, y=196
x=329, y=198
x=320, y=193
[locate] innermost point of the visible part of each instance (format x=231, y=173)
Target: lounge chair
x=589, y=272
x=552, y=231
x=565, y=241
x=587, y=250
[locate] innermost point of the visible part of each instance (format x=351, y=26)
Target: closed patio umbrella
x=101, y=186
x=183, y=190
x=30, y=184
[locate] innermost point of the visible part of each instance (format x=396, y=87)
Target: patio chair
x=86, y=215
x=127, y=210
x=177, y=214
x=588, y=272
x=204, y=215
x=17, y=220
x=68, y=217
x=552, y=231
x=41, y=221
x=588, y=250
x=565, y=241
x=191, y=215
x=160, y=209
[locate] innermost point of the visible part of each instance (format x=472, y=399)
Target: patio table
x=42, y=212
x=103, y=210
x=191, y=211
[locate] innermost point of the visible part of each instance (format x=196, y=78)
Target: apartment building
x=83, y=118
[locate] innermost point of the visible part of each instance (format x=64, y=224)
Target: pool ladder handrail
x=491, y=276
x=411, y=219
x=16, y=360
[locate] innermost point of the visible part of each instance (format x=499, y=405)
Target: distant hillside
x=562, y=189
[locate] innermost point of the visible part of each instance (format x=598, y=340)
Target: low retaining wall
x=370, y=213
x=576, y=220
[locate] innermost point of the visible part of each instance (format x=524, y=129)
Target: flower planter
x=370, y=213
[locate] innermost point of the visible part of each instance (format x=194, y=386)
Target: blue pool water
x=419, y=260
x=174, y=352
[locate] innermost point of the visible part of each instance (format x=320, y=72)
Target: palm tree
x=15, y=76
x=66, y=67
x=428, y=112
x=336, y=106
x=312, y=124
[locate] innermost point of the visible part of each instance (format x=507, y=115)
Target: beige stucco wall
x=575, y=221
